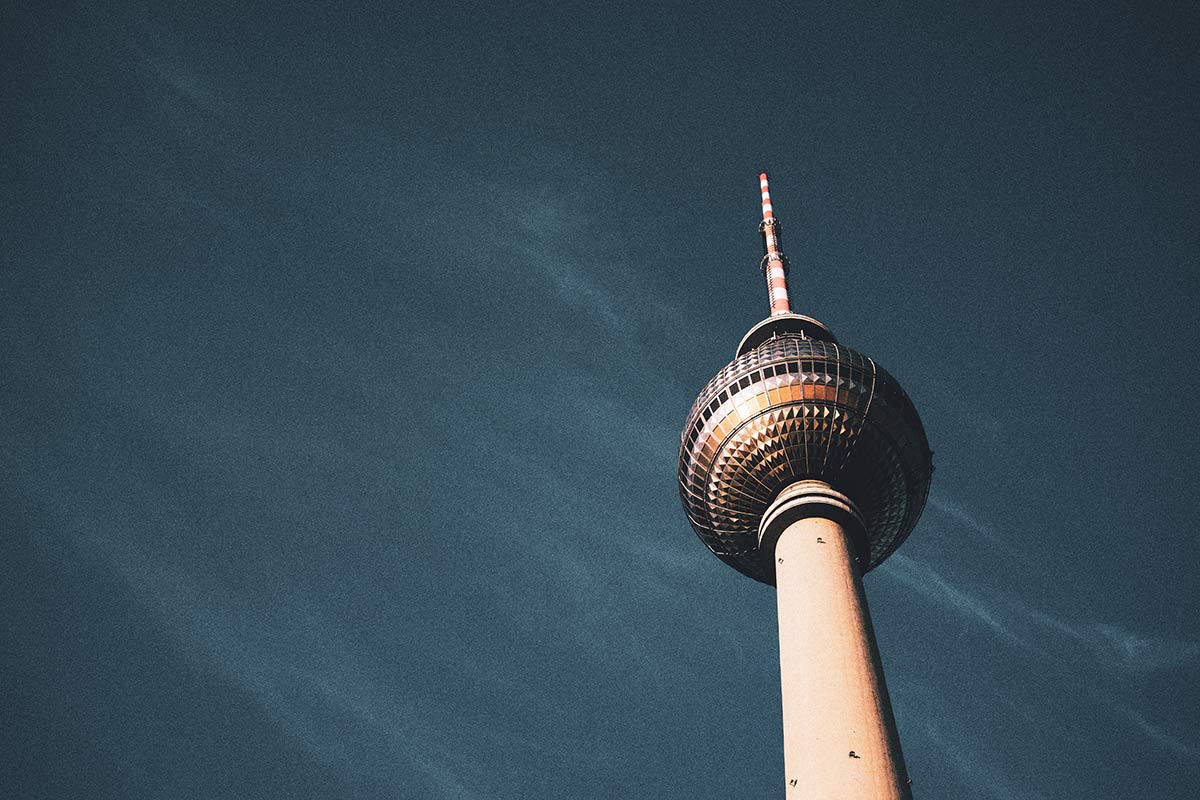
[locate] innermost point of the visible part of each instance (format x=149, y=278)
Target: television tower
x=803, y=464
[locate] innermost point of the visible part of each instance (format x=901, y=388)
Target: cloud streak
x=548, y=230
x=1067, y=644
x=960, y=515
x=926, y=581
x=974, y=769
x=303, y=675
x=1156, y=734
x=1120, y=650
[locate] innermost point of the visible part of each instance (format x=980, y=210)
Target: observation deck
x=796, y=405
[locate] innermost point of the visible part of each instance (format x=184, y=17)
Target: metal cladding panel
x=792, y=409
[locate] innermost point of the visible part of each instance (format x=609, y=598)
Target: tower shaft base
x=840, y=740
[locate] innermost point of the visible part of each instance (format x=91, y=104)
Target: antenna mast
x=774, y=263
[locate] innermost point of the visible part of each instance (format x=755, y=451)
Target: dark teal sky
x=344, y=353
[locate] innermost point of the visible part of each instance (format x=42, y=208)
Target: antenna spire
x=774, y=263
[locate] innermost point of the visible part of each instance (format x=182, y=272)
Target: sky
x=344, y=350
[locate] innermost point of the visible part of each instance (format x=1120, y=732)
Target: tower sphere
x=795, y=405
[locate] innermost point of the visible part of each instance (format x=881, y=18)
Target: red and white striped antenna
x=774, y=263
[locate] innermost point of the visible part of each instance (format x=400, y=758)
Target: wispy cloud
x=292, y=661
x=1168, y=741
x=1065, y=643
x=550, y=233
x=553, y=219
x=975, y=769
x=1040, y=632
x=159, y=48
x=328, y=693
x=189, y=87
x=926, y=581
x=962, y=516
x=1117, y=648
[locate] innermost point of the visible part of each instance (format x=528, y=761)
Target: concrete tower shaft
x=840, y=739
